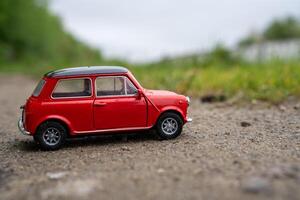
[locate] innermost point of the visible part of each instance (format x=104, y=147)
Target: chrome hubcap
x=169, y=126
x=51, y=136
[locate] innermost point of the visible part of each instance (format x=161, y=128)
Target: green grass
x=272, y=81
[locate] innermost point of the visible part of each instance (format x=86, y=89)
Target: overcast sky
x=145, y=30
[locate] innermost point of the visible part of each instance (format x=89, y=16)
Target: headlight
x=188, y=99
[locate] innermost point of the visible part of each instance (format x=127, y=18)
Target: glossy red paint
x=93, y=114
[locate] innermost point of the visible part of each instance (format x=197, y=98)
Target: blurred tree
x=287, y=28
x=280, y=29
x=220, y=54
x=30, y=33
x=254, y=37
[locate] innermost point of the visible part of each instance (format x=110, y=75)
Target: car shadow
x=92, y=140
x=25, y=145
x=109, y=139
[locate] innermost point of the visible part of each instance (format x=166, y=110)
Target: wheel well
x=171, y=111
x=58, y=121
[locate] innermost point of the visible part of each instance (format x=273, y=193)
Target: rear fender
x=56, y=118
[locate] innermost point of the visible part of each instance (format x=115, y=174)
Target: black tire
x=173, y=119
x=50, y=136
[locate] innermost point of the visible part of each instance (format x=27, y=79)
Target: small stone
x=256, y=185
x=252, y=139
x=296, y=107
x=78, y=189
x=160, y=171
x=125, y=148
x=284, y=171
x=198, y=171
x=245, y=124
x=227, y=133
x=93, y=156
x=291, y=171
x=282, y=108
x=275, y=172
x=235, y=162
x=56, y=175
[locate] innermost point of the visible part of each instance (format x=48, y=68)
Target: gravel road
x=228, y=152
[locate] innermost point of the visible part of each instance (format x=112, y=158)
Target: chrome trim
x=114, y=130
x=189, y=119
x=21, y=127
x=91, y=85
x=51, y=136
x=188, y=99
x=169, y=126
x=109, y=96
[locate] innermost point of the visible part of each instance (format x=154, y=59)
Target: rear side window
x=72, y=88
x=39, y=88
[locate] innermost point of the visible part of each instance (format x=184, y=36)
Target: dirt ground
x=227, y=152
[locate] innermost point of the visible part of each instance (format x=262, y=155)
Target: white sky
x=146, y=30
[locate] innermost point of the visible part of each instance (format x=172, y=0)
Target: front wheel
x=51, y=135
x=169, y=125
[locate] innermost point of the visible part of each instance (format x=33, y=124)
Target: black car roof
x=87, y=71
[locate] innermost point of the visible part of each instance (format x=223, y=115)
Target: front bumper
x=188, y=99
x=21, y=127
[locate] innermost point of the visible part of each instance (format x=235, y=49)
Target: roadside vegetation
x=33, y=41
x=272, y=81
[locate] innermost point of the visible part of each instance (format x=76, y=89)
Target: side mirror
x=139, y=94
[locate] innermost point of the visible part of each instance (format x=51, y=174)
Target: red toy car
x=93, y=100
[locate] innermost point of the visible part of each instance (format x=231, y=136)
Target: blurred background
x=246, y=49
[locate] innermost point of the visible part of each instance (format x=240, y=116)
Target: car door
x=117, y=105
x=72, y=100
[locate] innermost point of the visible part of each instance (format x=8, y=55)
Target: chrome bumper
x=21, y=127
x=188, y=99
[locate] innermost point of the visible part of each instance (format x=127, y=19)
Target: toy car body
x=93, y=100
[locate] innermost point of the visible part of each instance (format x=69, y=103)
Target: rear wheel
x=51, y=135
x=169, y=125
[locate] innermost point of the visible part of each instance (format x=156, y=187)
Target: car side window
x=114, y=86
x=79, y=87
x=130, y=88
x=39, y=88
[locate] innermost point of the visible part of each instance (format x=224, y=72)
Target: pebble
x=125, y=148
x=160, y=171
x=245, y=124
x=197, y=172
x=296, y=107
x=56, y=175
x=71, y=189
x=256, y=185
x=227, y=133
x=284, y=171
x=282, y=108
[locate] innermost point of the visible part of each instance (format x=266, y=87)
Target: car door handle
x=99, y=104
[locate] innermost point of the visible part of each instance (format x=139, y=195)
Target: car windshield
x=38, y=88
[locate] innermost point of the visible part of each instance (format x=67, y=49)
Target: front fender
x=168, y=108
x=173, y=108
